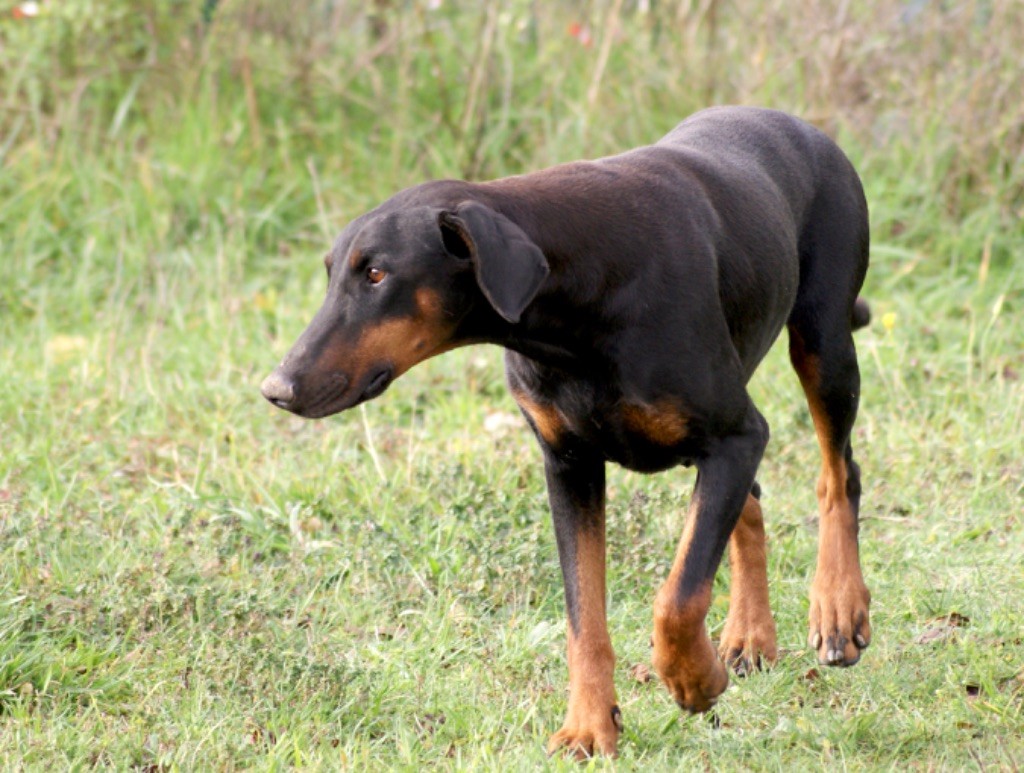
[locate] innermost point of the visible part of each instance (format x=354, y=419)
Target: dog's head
x=401, y=280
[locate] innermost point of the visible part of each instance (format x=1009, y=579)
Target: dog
x=634, y=296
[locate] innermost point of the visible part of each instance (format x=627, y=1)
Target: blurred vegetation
x=373, y=94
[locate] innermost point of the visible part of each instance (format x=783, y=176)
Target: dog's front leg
x=576, y=491
x=684, y=656
x=748, y=637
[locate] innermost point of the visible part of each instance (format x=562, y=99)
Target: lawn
x=191, y=579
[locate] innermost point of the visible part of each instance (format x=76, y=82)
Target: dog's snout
x=279, y=390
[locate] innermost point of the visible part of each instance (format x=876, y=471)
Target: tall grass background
x=191, y=580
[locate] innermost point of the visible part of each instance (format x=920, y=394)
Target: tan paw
x=587, y=733
x=839, y=624
x=748, y=641
x=694, y=676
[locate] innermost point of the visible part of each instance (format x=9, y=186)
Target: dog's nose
x=279, y=390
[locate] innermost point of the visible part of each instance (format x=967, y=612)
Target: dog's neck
x=559, y=327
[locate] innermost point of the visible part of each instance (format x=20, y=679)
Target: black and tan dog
x=635, y=295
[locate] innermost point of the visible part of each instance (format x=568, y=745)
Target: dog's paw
x=840, y=628
x=748, y=641
x=586, y=734
x=700, y=694
x=694, y=677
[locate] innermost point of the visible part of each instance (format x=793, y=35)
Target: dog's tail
x=861, y=314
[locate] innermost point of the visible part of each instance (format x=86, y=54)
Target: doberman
x=634, y=295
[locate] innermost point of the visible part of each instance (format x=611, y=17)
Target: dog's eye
x=375, y=275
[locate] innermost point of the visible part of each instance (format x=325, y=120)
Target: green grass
x=190, y=579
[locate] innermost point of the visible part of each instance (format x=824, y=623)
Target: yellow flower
x=889, y=321
x=62, y=348
x=265, y=301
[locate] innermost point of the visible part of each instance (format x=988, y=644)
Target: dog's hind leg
x=839, y=624
x=822, y=352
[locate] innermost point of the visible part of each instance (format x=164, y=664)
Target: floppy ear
x=509, y=267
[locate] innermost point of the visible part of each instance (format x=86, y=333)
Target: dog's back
x=781, y=190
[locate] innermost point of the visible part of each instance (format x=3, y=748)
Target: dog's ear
x=509, y=267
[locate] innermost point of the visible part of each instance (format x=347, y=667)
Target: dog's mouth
x=378, y=382
x=345, y=397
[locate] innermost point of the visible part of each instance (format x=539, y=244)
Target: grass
x=192, y=580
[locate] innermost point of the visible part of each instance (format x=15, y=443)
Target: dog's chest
x=643, y=435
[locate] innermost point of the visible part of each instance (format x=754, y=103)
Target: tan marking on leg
x=684, y=656
x=661, y=423
x=748, y=638
x=592, y=721
x=547, y=419
x=839, y=624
